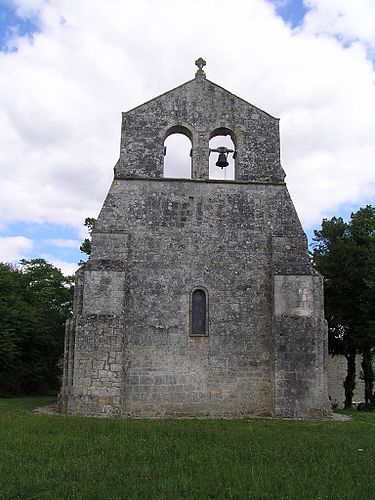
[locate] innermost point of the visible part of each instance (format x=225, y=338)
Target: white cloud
x=348, y=19
x=61, y=243
x=62, y=94
x=27, y=8
x=14, y=248
x=67, y=268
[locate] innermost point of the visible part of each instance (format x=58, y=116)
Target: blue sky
x=291, y=12
x=11, y=23
x=68, y=69
x=43, y=235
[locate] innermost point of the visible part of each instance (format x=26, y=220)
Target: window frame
x=206, y=333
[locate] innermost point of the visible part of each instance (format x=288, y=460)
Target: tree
x=86, y=244
x=344, y=252
x=363, y=234
x=35, y=301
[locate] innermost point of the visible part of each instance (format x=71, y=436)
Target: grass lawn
x=46, y=456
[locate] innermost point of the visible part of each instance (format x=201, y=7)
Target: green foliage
x=35, y=301
x=332, y=255
x=344, y=252
x=86, y=244
x=75, y=457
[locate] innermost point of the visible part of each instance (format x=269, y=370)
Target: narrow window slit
x=199, y=312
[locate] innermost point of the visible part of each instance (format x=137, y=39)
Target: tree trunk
x=349, y=382
x=368, y=377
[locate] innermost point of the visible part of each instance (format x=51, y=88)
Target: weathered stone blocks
x=129, y=350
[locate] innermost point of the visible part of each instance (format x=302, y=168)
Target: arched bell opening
x=222, y=154
x=177, y=153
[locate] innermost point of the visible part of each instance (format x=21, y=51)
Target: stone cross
x=200, y=63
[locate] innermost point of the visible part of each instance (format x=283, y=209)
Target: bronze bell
x=222, y=161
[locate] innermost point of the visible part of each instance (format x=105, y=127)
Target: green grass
x=46, y=456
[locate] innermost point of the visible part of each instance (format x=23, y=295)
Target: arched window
x=222, y=137
x=199, y=312
x=177, y=153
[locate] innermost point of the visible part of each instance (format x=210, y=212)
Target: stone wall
x=301, y=346
x=174, y=236
x=129, y=348
x=199, y=108
x=183, y=235
x=337, y=369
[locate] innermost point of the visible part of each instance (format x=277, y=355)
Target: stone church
x=198, y=298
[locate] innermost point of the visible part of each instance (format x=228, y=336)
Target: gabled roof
x=199, y=80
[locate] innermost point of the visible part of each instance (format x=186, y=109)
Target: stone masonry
x=198, y=298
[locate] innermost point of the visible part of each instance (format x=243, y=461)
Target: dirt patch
x=339, y=416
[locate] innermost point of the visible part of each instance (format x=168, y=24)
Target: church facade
x=198, y=298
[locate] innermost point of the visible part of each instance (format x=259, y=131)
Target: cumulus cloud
x=63, y=92
x=61, y=243
x=349, y=20
x=13, y=248
x=67, y=268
